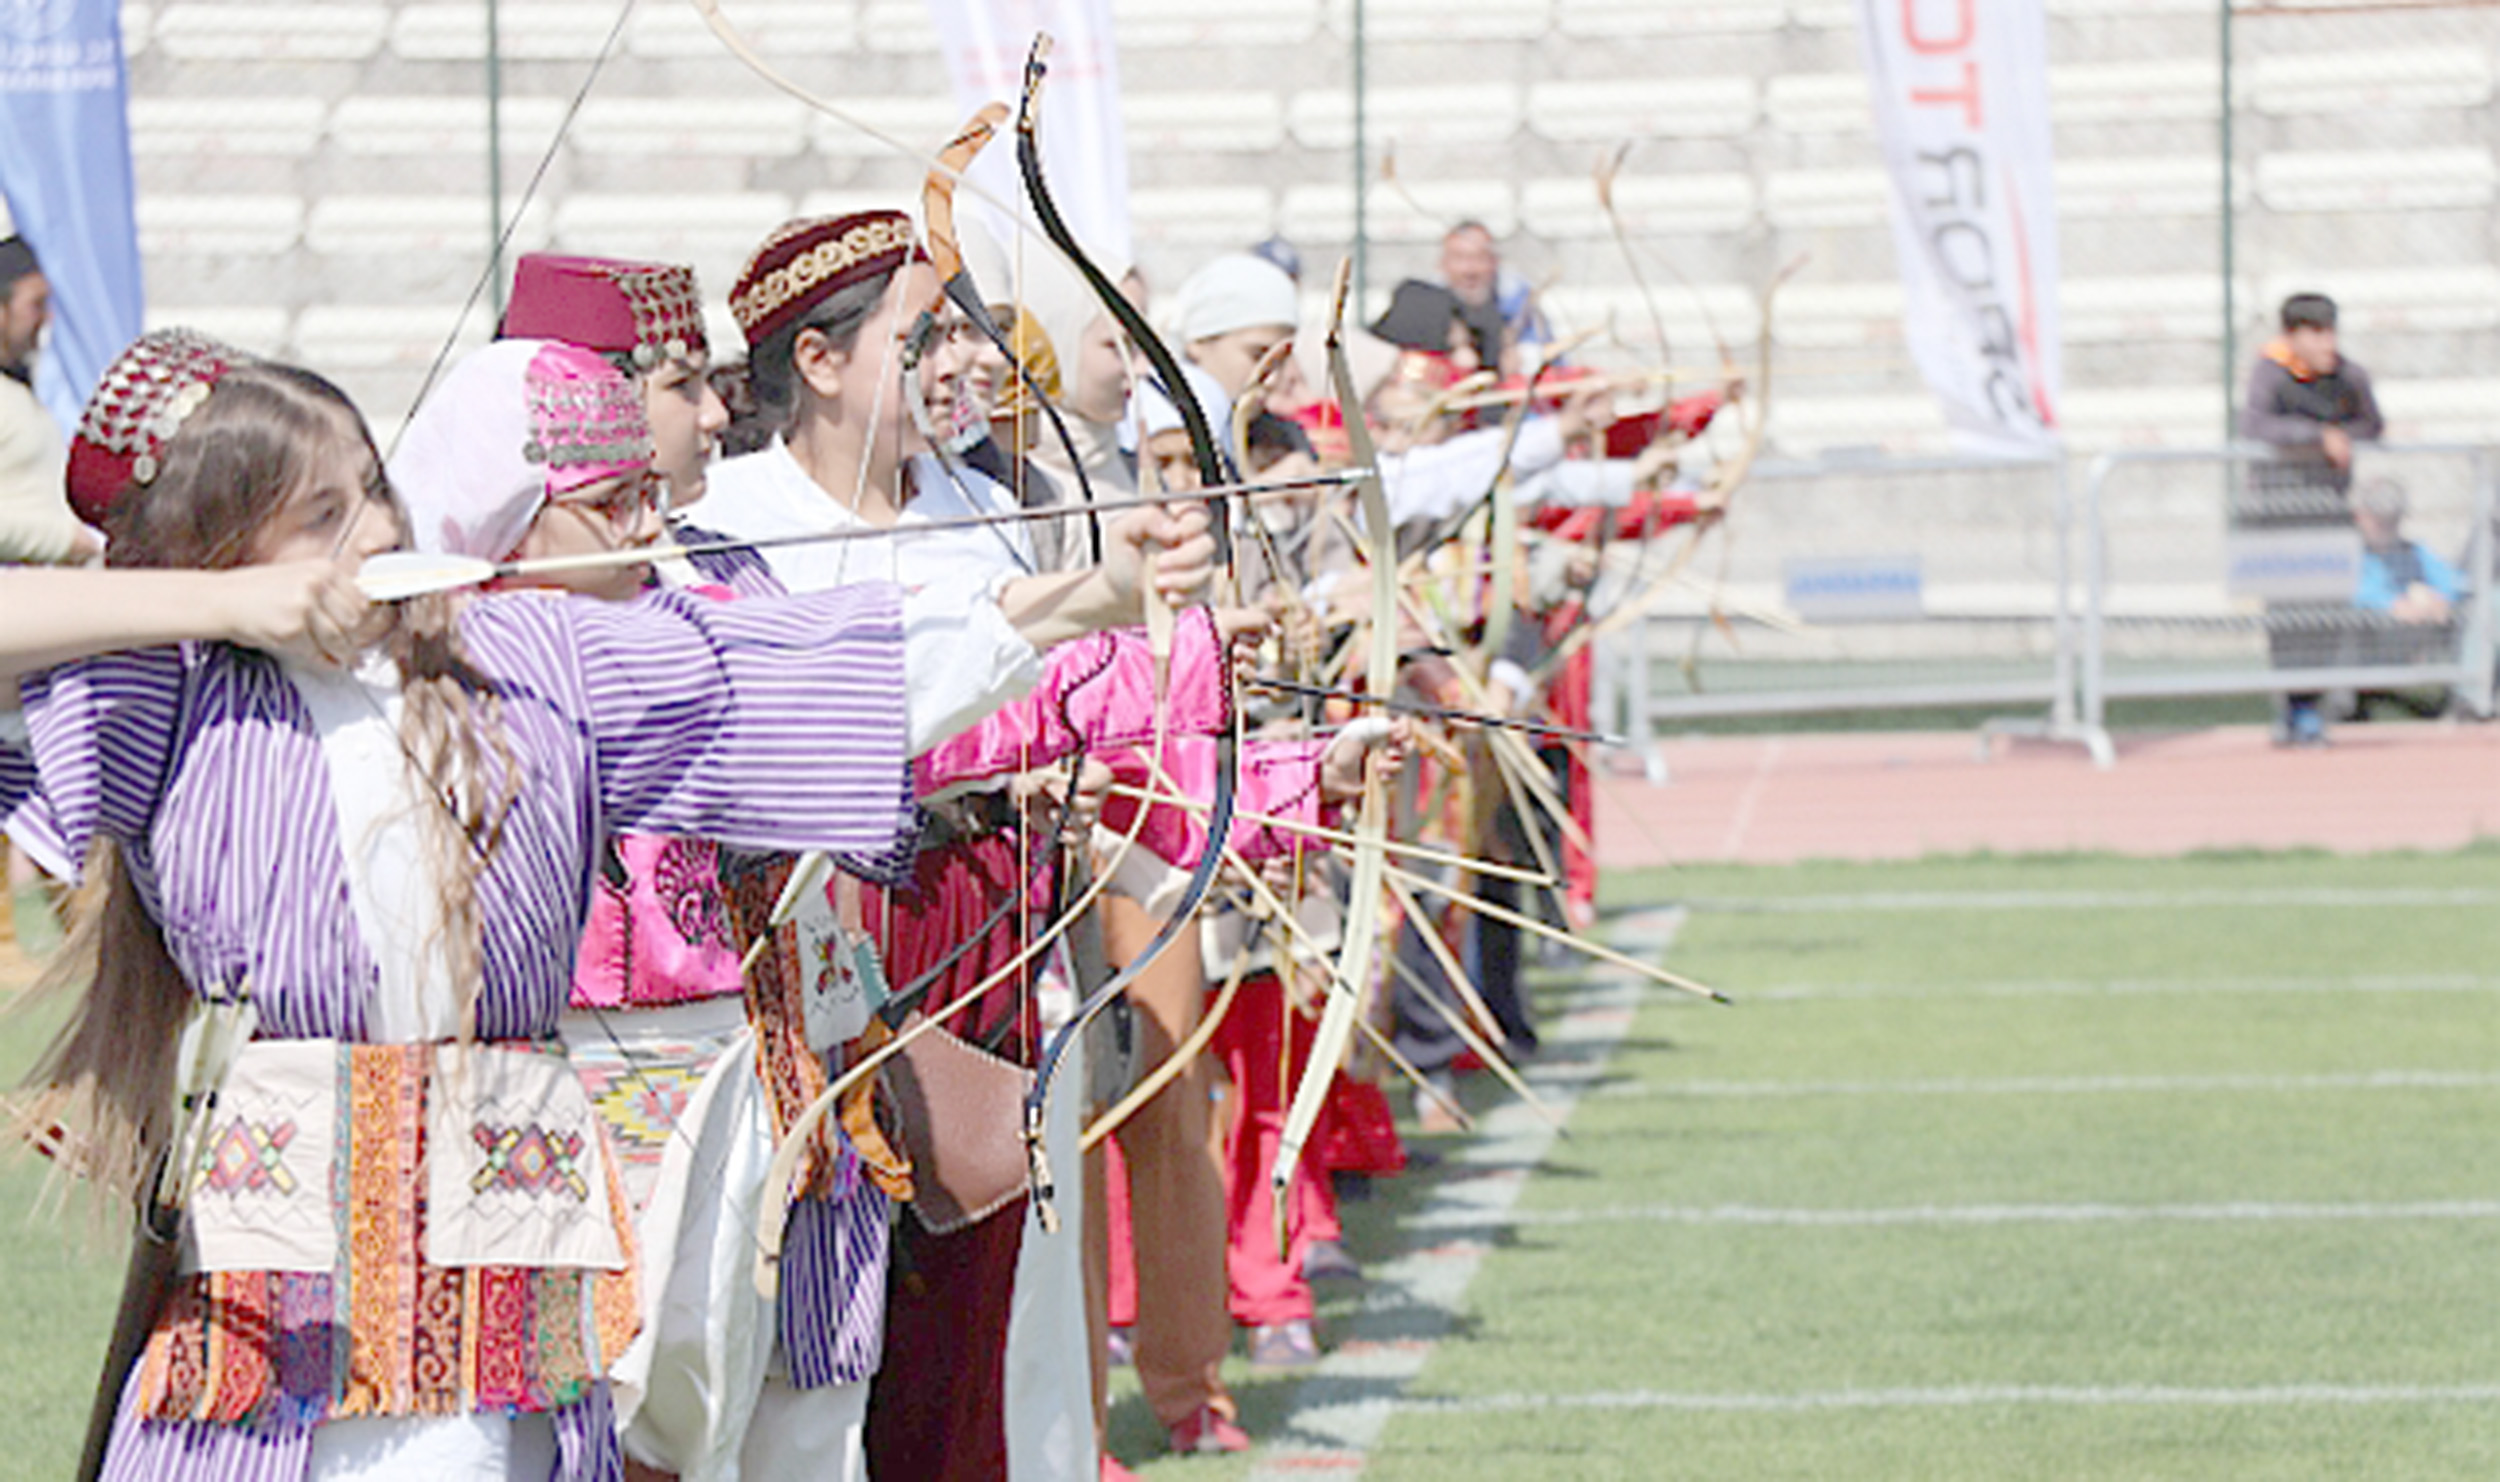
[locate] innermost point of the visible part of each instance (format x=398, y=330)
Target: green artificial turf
x=1941, y=1057
x=60, y=1275
x=1876, y=995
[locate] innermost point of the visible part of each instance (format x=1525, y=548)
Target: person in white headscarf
x=1231, y=312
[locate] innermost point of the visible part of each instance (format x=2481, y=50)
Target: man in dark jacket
x=2312, y=405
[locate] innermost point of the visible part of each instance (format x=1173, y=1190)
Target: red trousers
x=1265, y=1046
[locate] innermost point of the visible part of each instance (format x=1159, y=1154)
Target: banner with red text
x=1084, y=148
x=1961, y=93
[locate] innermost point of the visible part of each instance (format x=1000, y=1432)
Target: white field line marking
x=1740, y=818
x=2123, y=987
x=1958, y=1396
x=2083, y=900
x=2072, y=1085
x=2232, y=1212
x=1411, y=1302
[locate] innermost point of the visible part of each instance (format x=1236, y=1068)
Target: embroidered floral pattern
x=686, y=878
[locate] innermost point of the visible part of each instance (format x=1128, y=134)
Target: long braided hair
x=101, y=1097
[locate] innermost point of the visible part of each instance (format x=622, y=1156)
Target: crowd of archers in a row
x=451, y=971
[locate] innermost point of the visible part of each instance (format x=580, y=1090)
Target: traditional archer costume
x=409, y=1241
x=957, y=917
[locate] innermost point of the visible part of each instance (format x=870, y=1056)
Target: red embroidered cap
x=805, y=262
x=138, y=406
x=647, y=311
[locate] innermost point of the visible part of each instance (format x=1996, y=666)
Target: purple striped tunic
x=743, y=571
x=770, y=725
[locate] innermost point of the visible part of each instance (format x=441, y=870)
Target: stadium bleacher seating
x=1457, y=113
x=1444, y=20
x=713, y=232
x=259, y=330
x=1202, y=218
x=439, y=126
x=328, y=157
x=2376, y=180
x=282, y=126
x=1812, y=198
x=1212, y=121
x=1649, y=204
x=2368, y=81
x=455, y=31
x=219, y=225
x=1608, y=19
x=337, y=31
x=766, y=127
x=362, y=225
x=1694, y=108
x=1325, y=211
x=1191, y=24
x=1819, y=103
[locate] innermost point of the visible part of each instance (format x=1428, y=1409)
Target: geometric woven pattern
x=530, y=1160
x=249, y=1157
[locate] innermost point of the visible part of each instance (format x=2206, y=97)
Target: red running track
x=1777, y=799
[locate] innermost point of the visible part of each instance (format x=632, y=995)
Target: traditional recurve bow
x=955, y=285
x=1210, y=461
x=1353, y=967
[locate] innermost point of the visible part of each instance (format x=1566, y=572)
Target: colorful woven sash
x=285, y=1324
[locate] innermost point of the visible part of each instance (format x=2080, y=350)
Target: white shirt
x=1434, y=483
x=36, y=525
x=962, y=659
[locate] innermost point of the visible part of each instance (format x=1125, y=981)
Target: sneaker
x=1329, y=1260
x=1209, y=1432
x=1284, y=1345
x=1120, y=1348
x=1431, y=1117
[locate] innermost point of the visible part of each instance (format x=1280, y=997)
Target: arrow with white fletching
x=396, y=576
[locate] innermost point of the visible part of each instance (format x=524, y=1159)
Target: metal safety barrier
x=2222, y=571
x=2178, y=572
x=1961, y=596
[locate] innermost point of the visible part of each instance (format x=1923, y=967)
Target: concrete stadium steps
x=308, y=160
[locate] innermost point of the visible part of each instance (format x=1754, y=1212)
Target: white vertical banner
x=1084, y=150
x=1961, y=94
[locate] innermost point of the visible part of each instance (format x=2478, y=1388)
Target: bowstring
x=512, y=226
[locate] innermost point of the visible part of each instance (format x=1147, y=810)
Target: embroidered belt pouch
x=411, y=1229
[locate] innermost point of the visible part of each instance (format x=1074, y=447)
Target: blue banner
x=65, y=171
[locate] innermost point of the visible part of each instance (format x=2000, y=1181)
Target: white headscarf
x=1159, y=413
x=1236, y=291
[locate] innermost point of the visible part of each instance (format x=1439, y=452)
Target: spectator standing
x=36, y=526
x=1500, y=306
x=2312, y=406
